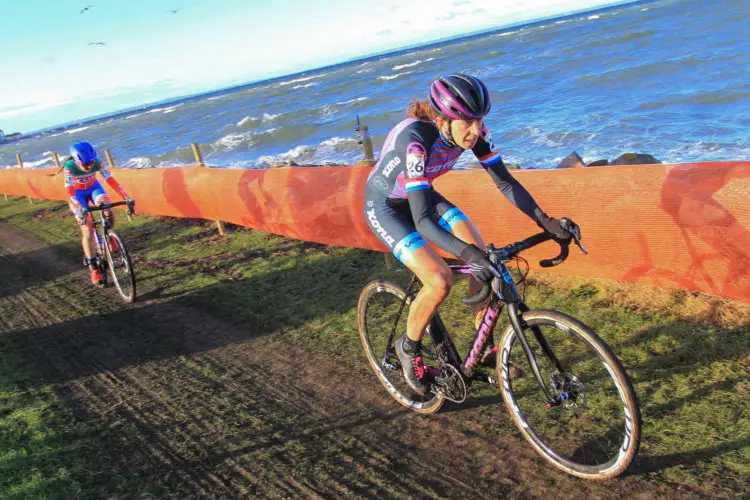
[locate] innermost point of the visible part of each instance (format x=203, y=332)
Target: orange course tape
x=685, y=225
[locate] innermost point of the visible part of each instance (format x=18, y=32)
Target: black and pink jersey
x=414, y=155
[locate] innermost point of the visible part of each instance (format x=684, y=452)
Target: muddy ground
x=202, y=407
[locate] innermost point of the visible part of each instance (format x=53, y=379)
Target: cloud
x=451, y=15
x=7, y=109
x=456, y=3
x=384, y=32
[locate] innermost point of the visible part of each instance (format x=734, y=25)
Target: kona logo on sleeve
x=380, y=230
x=395, y=162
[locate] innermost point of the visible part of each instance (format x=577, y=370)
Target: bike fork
x=515, y=321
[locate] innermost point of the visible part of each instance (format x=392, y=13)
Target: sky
x=66, y=60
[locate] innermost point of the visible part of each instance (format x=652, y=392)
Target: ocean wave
x=74, y=130
x=639, y=71
x=305, y=85
x=708, y=98
x=245, y=120
x=706, y=151
x=350, y=101
x=232, y=141
x=397, y=75
x=299, y=80
x=44, y=162
x=137, y=162
x=591, y=18
x=412, y=64
x=250, y=121
x=166, y=110
x=345, y=149
x=366, y=70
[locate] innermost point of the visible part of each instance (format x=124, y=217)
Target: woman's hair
x=421, y=110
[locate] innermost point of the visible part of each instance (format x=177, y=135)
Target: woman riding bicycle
x=403, y=209
x=80, y=181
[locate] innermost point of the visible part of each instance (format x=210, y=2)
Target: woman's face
x=85, y=166
x=465, y=133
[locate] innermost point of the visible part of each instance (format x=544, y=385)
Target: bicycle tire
x=121, y=261
x=376, y=331
x=538, y=427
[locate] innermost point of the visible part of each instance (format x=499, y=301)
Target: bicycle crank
x=451, y=384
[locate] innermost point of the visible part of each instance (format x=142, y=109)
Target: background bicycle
x=112, y=257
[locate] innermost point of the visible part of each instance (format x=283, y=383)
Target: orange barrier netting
x=684, y=225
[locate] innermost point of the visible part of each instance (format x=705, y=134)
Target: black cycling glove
x=479, y=264
x=561, y=228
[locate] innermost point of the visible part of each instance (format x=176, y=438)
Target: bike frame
x=504, y=293
x=102, y=222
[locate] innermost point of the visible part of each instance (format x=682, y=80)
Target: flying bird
x=174, y=11
x=97, y=43
x=86, y=8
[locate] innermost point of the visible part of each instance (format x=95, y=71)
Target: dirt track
x=206, y=408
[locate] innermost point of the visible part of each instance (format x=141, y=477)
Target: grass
x=687, y=353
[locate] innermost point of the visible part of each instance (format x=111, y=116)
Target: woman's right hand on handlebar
x=562, y=229
x=479, y=265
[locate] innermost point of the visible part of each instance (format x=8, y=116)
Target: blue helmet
x=83, y=152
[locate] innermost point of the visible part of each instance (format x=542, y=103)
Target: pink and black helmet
x=459, y=97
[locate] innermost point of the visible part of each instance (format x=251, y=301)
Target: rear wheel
x=381, y=315
x=593, y=431
x=120, y=267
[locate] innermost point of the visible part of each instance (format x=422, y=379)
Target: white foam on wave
x=305, y=85
x=412, y=64
x=319, y=155
x=73, y=131
x=39, y=163
x=366, y=70
x=166, y=110
x=299, y=80
x=267, y=117
x=595, y=16
x=137, y=162
x=350, y=101
x=407, y=65
x=397, y=75
x=232, y=141
x=244, y=120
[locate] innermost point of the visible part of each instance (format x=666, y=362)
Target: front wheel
x=120, y=266
x=381, y=316
x=592, y=429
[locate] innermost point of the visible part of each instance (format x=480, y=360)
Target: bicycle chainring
x=451, y=384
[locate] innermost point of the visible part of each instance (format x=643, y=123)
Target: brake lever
x=571, y=227
x=578, y=242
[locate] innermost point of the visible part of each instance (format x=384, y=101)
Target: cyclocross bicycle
x=114, y=259
x=575, y=404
